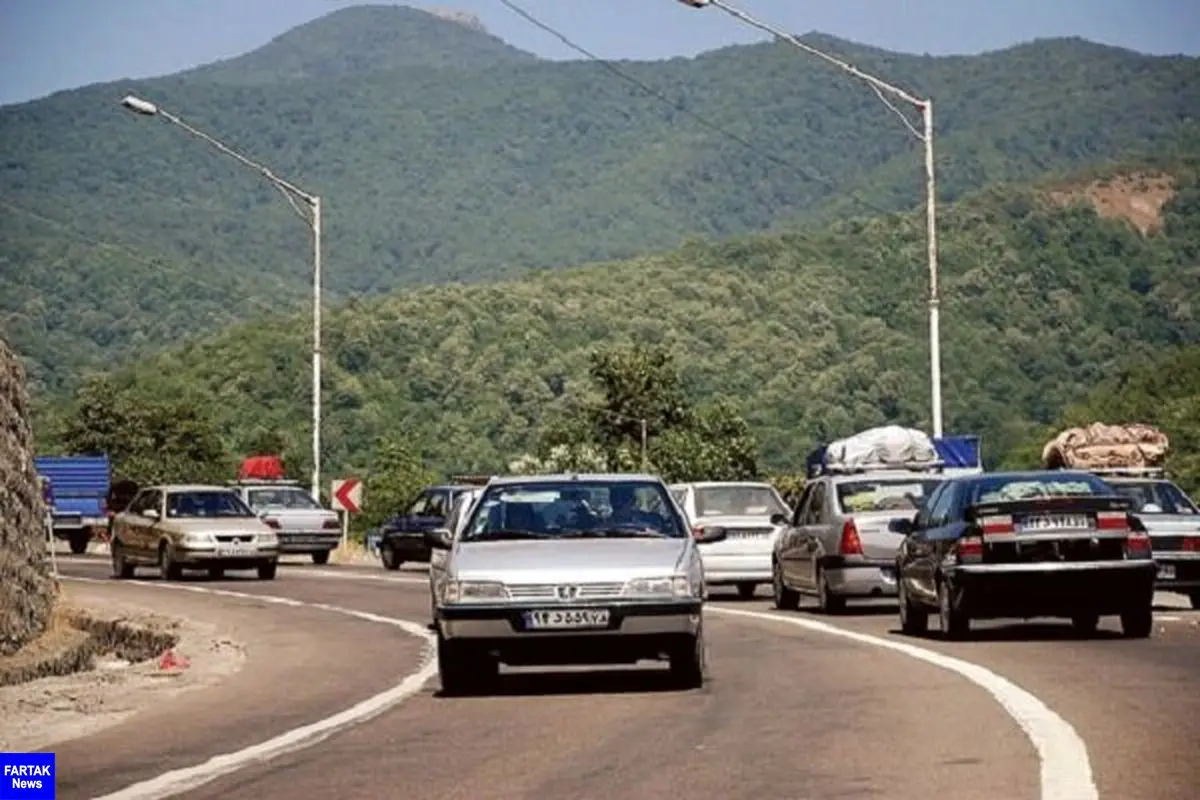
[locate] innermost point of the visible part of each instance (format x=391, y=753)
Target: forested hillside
x=436, y=167
x=810, y=335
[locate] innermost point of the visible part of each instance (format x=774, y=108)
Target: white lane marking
x=1167, y=618
x=358, y=576
x=185, y=779
x=1066, y=772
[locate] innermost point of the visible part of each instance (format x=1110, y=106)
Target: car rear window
x=1003, y=488
x=883, y=494
x=1156, y=497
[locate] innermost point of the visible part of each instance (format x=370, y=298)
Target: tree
x=149, y=440
x=641, y=386
x=397, y=474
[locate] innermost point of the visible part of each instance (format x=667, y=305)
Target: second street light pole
x=291, y=193
x=926, y=138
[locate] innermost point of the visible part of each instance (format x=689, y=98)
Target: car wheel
x=79, y=541
x=829, y=602
x=387, y=554
x=266, y=572
x=688, y=662
x=1195, y=598
x=120, y=567
x=785, y=599
x=1137, y=623
x=955, y=624
x=216, y=573
x=321, y=557
x=462, y=670
x=1085, y=624
x=746, y=590
x=914, y=620
x=168, y=569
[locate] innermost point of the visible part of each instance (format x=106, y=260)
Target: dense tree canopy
x=807, y=336
x=443, y=155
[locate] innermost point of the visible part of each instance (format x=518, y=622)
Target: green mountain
x=363, y=39
x=434, y=169
x=811, y=335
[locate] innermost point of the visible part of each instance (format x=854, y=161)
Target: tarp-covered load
x=889, y=447
x=1101, y=446
x=263, y=468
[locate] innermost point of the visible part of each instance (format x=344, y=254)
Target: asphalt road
x=788, y=712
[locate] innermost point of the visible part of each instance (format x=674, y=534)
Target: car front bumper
x=307, y=541
x=211, y=557
x=1052, y=589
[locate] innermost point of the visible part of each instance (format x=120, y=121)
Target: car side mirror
x=150, y=513
x=710, y=535
x=779, y=519
x=903, y=526
x=439, y=538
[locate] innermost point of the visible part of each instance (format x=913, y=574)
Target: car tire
x=746, y=590
x=321, y=557
x=266, y=572
x=1085, y=624
x=168, y=568
x=463, y=671
x=688, y=662
x=954, y=623
x=914, y=619
x=121, y=569
x=1137, y=623
x=785, y=599
x=78, y=541
x=1195, y=598
x=828, y=602
x=216, y=573
x=387, y=555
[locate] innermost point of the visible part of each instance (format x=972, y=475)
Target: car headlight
x=473, y=591
x=665, y=586
x=198, y=539
x=267, y=538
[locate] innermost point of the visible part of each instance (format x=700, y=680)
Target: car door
x=915, y=550
x=811, y=533
x=788, y=544
x=135, y=529
x=939, y=533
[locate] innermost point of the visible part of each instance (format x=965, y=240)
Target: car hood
x=217, y=526
x=568, y=559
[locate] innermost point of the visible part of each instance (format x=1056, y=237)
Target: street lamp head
x=139, y=106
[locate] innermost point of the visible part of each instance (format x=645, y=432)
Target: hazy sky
x=48, y=45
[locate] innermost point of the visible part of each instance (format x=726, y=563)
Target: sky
x=50, y=45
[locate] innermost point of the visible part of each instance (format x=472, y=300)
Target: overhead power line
x=608, y=65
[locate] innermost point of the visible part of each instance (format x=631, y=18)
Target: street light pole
x=291, y=193
x=926, y=137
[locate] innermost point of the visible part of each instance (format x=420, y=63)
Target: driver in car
x=627, y=513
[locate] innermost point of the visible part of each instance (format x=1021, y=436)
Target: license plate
x=1057, y=522
x=1166, y=572
x=235, y=550
x=566, y=618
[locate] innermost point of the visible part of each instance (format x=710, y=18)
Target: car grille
x=549, y=591
x=242, y=538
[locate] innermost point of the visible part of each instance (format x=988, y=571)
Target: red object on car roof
x=263, y=468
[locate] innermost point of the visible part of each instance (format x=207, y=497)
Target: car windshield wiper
x=506, y=533
x=616, y=533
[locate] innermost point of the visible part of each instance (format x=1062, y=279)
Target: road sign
x=347, y=495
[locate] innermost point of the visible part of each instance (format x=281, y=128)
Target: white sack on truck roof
x=889, y=446
x=1103, y=446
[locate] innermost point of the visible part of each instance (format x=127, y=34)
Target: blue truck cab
x=77, y=488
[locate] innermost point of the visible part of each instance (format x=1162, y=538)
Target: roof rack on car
x=1130, y=472
x=856, y=469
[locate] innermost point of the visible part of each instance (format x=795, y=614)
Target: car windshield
x=738, y=500
x=205, y=504
x=1156, y=497
x=574, y=509
x=883, y=494
x=281, y=498
x=1001, y=488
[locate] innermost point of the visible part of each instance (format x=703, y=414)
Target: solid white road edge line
x=182, y=780
x=1066, y=772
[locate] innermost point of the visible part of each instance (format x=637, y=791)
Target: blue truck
x=77, y=489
